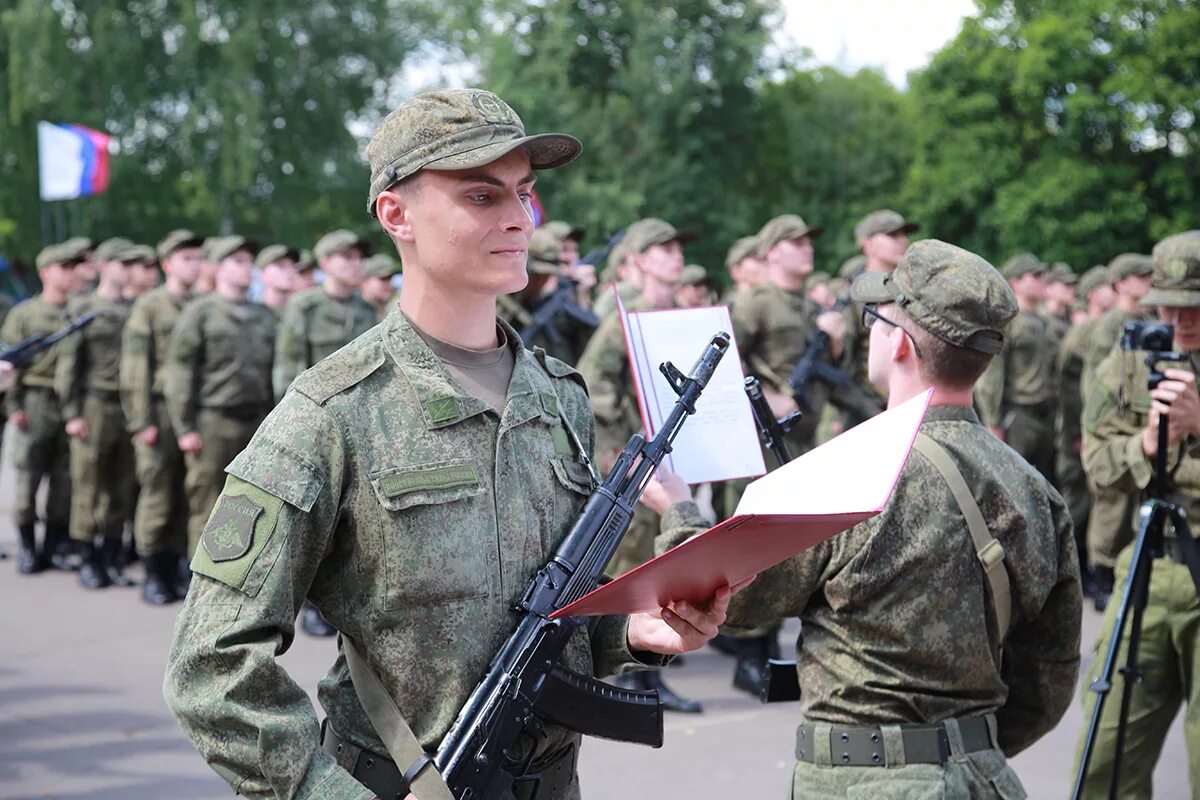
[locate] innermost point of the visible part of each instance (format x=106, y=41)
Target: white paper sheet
x=720, y=441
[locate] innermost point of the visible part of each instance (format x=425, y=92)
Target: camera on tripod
x=1155, y=339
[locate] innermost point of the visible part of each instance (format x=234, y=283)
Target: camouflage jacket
x=1071, y=355
x=144, y=353
x=33, y=317
x=605, y=366
x=1023, y=373
x=315, y=324
x=91, y=358
x=1104, y=338
x=899, y=625
x=1116, y=413
x=413, y=517
x=219, y=358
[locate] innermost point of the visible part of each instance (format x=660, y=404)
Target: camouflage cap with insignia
x=693, y=275
x=950, y=292
x=112, y=249
x=177, y=240
x=645, y=233
x=742, y=249
x=340, y=241
x=1129, y=264
x=71, y=251
x=381, y=265
x=1176, y=279
x=219, y=248
x=545, y=247
x=1093, y=279
x=1023, y=264
x=274, y=252
x=1062, y=273
x=882, y=221
x=306, y=261
x=456, y=129
x=782, y=228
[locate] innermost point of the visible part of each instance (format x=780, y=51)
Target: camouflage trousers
x=40, y=452
x=224, y=436
x=1169, y=654
x=1110, y=526
x=1072, y=485
x=101, y=468
x=984, y=774
x=160, y=519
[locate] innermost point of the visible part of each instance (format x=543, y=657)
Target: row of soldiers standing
x=134, y=418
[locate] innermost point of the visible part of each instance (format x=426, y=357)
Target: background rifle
x=770, y=430
x=814, y=366
x=563, y=300
x=23, y=354
x=525, y=687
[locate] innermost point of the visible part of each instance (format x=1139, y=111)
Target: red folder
x=822, y=493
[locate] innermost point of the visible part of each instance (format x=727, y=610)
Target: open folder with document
x=820, y=494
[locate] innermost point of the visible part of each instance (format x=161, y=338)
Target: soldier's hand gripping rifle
x=23, y=354
x=564, y=302
x=813, y=365
x=770, y=429
x=525, y=687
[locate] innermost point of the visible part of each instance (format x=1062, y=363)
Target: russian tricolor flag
x=72, y=161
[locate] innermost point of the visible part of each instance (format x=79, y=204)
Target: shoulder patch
x=230, y=530
x=345, y=368
x=237, y=534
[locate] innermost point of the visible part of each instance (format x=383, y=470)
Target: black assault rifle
x=525, y=687
x=813, y=366
x=23, y=354
x=562, y=301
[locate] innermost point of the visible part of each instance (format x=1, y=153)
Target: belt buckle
x=943, y=744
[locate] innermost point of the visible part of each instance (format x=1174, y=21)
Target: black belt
x=864, y=747
x=240, y=413
x=548, y=779
x=104, y=394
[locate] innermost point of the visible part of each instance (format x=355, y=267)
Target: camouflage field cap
x=1176, y=279
x=381, y=265
x=852, y=267
x=220, y=248
x=113, y=249
x=1062, y=273
x=71, y=251
x=80, y=241
x=140, y=252
x=339, y=241
x=455, y=129
x=693, y=275
x=177, y=240
x=742, y=249
x=1092, y=280
x=782, y=228
x=564, y=231
x=545, y=247
x=645, y=233
x=1023, y=264
x=306, y=261
x=273, y=252
x=950, y=292
x=882, y=221
x=1129, y=264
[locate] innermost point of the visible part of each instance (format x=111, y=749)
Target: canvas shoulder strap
x=988, y=549
x=402, y=745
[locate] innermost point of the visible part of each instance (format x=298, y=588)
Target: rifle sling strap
x=988, y=549
x=402, y=745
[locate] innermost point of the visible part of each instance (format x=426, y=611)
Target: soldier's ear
x=392, y=208
x=901, y=344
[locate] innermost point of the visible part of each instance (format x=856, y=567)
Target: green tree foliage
x=228, y=114
x=1065, y=128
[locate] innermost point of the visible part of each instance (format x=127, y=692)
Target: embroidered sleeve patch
x=230, y=530
x=237, y=532
x=447, y=477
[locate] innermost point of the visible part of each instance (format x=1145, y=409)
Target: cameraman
x=1120, y=428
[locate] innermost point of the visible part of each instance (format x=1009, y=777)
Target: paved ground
x=82, y=716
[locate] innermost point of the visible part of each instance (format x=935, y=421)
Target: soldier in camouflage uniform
x=746, y=269
x=377, y=287
x=1094, y=288
x=620, y=274
x=322, y=319
x=1120, y=442
x=1059, y=299
x=40, y=449
x=410, y=484
x=306, y=271
x=1109, y=527
x=904, y=691
x=101, y=455
x=1015, y=397
x=143, y=272
x=276, y=265
x=218, y=377
x=160, y=518
x=693, y=291
x=655, y=250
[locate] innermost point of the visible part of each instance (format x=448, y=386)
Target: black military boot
x=181, y=573
x=1102, y=592
x=59, y=548
x=91, y=571
x=112, y=557
x=751, y=671
x=653, y=680
x=312, y=623
x=29, y=560
x=157, y=588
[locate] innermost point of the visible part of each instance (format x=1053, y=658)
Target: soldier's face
x=886, y=248
x=376, y=290
x=280, y=275
x=1133, y=286
x=1187, y=326
x=752, y=271
x=1062, y=293
x=664, y=262
x=468, y=230
x=793, y=255
x=1103, y=297
x=569, y=253
x=236, y=269
x=345, y=267
x=306, y=279
x=58, y=277
x=184, y=265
